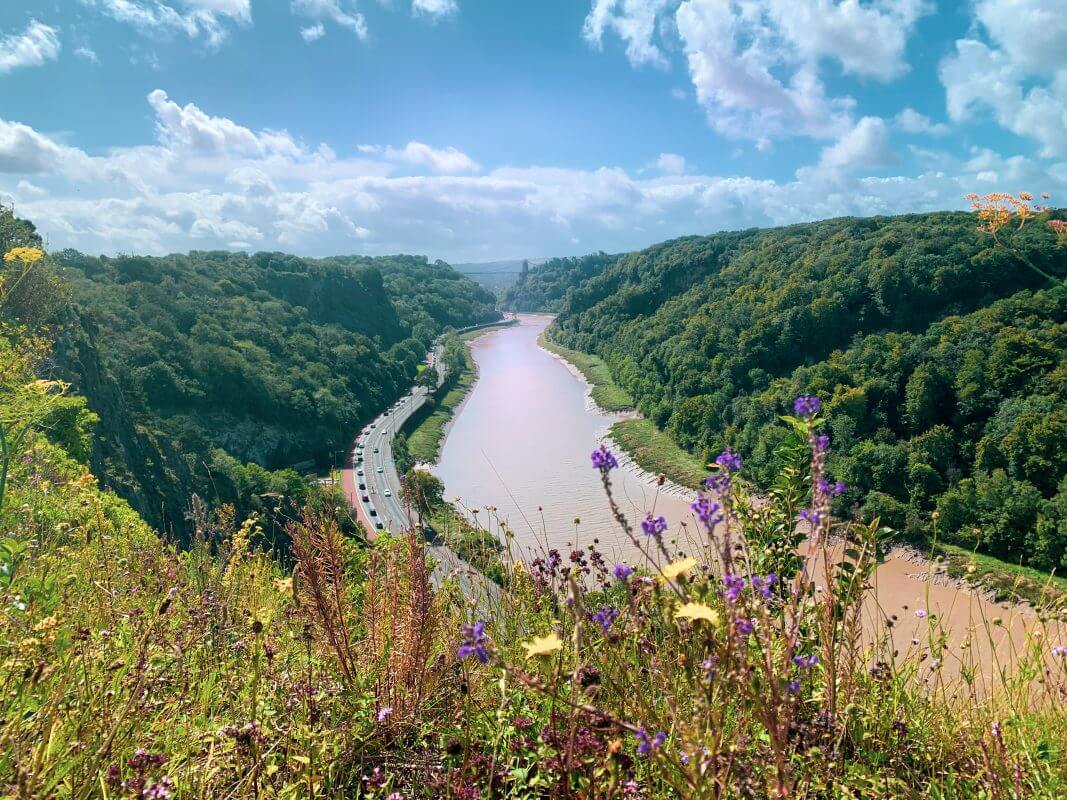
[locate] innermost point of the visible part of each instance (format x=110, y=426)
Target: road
x=370, y=478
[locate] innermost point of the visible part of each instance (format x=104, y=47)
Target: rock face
x=148, y=472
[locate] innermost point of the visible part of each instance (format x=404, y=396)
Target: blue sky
x=485, y=129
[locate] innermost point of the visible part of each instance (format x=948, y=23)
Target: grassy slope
x=655, y=452
x=605, y=392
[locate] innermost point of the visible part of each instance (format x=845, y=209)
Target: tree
x=424, y=491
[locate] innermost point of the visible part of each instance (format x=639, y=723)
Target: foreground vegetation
x=940, y=349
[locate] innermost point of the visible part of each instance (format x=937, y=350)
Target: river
x=518, y=452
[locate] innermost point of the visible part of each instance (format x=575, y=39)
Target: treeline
x=217, y=372
x=544, y=287
x=941, y=357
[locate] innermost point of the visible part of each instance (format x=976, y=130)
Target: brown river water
x=518, y=452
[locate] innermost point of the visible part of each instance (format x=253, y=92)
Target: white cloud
x=31, y=48
x=194, y=18
x=434, y=8
x=313, y=33
x=911, y=121
x=671, y=164
x=210, y=182
x=756, y=65
x=88, y=54
x=339, y=12
x=447, y=161
x=1020, y=75
x=635, y=23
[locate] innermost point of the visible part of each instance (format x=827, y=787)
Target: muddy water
x=518, y=453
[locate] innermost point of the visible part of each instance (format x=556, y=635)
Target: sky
x=473, y=130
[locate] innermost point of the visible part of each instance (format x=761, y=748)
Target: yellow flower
x=676, y=568
x=27, y=255
x=543, y=645
x=695, y=611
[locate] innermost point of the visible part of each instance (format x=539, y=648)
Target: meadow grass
x=655, y=452
x=425, y=439
x=606, y=393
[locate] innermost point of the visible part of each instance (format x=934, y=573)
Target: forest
x=940, y=356
x=217, y=373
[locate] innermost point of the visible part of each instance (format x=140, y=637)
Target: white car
x=388, y=493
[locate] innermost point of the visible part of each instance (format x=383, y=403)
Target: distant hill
x=496, y=276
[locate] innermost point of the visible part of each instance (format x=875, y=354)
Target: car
x=373, y=512
x=375, y=449
x=388, y=493
x=366, y=499
x=363, y=487
x=380, y=469
x=378, y=525
x=359, y=471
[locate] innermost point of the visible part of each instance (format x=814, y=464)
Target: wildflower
x=646, y=744
x=729, y=460
x=706, y=511
x=159, y=790
x=794, y=687
x=605, y=617
x=654, y=526
x=764, y=585
x=695, y=611
x=604, y=460
x=27, y=255
x=676, y=568
x=622, y=572
x=807, y=405
x=376, y=779
x=920, y=613
x=743, y=626
x=385, y=713
x=822, y=443
x=543, y=645
x=474, y=640
x=806, y=661
x=1060, y=650
x=734, y=586
x=810, y=515
x=395, y=796
x=832, y=489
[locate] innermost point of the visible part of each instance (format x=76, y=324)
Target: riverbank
x=656, y=453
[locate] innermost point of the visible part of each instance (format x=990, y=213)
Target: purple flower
x=474, y=641
x=605, y=617
x=654, y=527
x=706, y=511
x=832, y=489
x=920, y=613
x=807, y=405
x=734, y=586
x=1059, y=650
x=743, y=626
x=806, y=661
x=604, y=460
x=646, y=744
x=158, y=791
x=763, y=585
x=810, y=515
x=822, y=443
x=385, y=713
x=622, y=572
x=794, y=687
x=729, y=460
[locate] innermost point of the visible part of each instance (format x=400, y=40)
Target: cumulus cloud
x=756, y=65
x=1018, y=72
x=911, y=121
x=671, y=164
x=31, y=48
x=446, y=161
x=313, y=33
x=209, y=182
x=339, y=12
x=208, y=18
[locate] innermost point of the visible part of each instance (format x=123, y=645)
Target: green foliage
x=274, y=359
x=940, y=356
x=544, y=287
